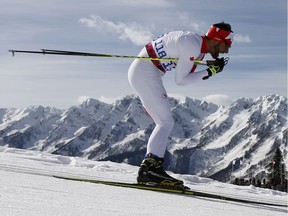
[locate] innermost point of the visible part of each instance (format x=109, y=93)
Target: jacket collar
x=204, y=44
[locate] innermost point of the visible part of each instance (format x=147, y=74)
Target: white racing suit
x=146, y=79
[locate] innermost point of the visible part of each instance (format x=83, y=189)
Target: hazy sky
x=258, y=57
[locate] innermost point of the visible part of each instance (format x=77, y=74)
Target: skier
x=146, y=79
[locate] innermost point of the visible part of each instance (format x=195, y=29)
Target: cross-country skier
x=146, y=79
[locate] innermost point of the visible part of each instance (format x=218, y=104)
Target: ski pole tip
x=13, y=52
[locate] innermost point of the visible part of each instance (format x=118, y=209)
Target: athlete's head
x=221, y=32
x=222, y=35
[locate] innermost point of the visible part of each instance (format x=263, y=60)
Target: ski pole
x=72, y=53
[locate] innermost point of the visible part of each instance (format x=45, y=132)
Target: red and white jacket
x=185, y=46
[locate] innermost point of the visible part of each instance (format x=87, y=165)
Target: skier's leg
x=146, y=80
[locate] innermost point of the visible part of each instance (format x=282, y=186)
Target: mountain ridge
x=207, y=139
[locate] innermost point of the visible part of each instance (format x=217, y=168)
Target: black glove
x=216, y=67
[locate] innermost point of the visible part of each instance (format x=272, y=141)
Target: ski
x=170, y=189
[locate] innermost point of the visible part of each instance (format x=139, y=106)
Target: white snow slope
x=28, y=188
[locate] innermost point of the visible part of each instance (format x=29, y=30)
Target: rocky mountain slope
x=207, y=140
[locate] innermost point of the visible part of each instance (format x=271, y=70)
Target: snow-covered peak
x=205, y=139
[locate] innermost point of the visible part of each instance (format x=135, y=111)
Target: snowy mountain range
x=207, y=140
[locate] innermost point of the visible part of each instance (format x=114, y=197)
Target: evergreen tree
x=277, y=175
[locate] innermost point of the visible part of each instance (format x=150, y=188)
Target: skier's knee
x=168, y=123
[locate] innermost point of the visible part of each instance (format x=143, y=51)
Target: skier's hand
x=216, y=66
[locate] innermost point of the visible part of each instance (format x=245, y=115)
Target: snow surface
x=28, y=188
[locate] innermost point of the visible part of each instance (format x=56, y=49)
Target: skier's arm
x=189, y=50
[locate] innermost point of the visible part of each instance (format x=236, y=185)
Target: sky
x=257, y=65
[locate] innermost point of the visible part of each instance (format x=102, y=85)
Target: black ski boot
x=151, y=173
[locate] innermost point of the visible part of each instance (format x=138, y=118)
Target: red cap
x=220, y=35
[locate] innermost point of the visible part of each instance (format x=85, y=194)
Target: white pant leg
x=146, y=80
